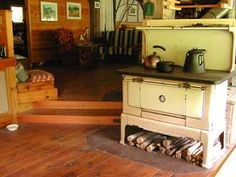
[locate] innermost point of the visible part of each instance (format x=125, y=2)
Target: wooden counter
x=209, y=77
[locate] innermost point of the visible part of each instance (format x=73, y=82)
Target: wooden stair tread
x=74, y=112
x=59, y=104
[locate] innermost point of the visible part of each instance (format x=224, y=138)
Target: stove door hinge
x=185, y=85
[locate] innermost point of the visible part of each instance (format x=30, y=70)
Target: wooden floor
x=44, y=150
x=101, y=82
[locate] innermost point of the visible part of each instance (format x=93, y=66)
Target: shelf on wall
x=228, y=4
x=221, y=5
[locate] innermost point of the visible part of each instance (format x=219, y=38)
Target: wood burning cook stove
x=178, y=103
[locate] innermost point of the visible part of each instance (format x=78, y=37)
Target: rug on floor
x=107, y=139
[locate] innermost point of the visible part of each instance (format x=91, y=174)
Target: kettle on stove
x=194, y=61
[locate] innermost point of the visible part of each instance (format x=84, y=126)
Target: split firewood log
x=134, y=136
x=167, y=142
x=162, y=150
x=155, y=144
x=198, y=152
x=177, y=143
x=178, y=146
x=151, y=147
x=170, y=140
x=144, y=137
x=191, y=149
x=131, y=143
x=179, y=153
x=138, y=145
x=149, y=141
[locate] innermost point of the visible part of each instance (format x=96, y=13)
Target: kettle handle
x=200, y=59
x=160, y=47
x=187, y=54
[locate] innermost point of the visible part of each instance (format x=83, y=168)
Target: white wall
x=128, y=17
x=3, y=93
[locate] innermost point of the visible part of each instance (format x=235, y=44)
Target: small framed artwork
x=133, y=10
x=97, y=5
x=48, y=11
x=73, y=10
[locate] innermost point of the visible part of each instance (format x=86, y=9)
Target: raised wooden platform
x=29, y=92
x=73, y=112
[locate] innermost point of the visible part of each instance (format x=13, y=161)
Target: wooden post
x=8, y=64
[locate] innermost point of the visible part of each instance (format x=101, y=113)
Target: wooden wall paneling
x=42, y=44
x=95, y=20
x=29, y=34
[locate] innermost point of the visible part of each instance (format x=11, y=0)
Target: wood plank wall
x=42, y=45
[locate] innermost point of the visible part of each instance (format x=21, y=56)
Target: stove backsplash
x=218, y=40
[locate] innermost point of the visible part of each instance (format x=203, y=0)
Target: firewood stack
x=177, y=147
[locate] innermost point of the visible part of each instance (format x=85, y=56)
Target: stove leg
x=122, y=130
x=211, y=153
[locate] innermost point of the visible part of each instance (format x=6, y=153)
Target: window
x=17, y=14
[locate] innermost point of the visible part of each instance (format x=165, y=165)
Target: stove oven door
x=165, y=97
x=195, y=101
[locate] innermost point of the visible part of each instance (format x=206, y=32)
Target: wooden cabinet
x=7, y=71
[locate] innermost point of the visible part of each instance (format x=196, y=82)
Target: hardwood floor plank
x=89, y=161
x=98, y=84
x=163, y=173
x=116, y=166
x=50, y=104
x=75, y=112
x=44, y=150
x=67, y=119
x=45, y=144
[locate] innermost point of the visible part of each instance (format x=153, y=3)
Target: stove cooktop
x=208, y=77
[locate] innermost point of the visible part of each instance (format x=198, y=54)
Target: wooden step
x=73, y=112
x=58, y=104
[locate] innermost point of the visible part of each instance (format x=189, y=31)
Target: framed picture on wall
x=48, y=11
x=133, y=10
x=97, y=5
x=73, y=10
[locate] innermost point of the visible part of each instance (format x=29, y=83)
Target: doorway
x=19, y=32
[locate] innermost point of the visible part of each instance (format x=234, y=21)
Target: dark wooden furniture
x=87, y=54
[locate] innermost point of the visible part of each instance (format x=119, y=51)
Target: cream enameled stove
x=178, y=103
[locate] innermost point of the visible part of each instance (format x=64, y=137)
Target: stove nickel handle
x=162, y=98
x=187, y=85
x=137, y=79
